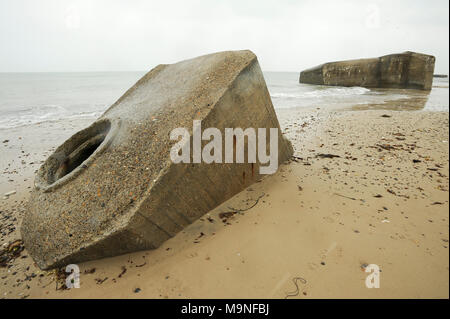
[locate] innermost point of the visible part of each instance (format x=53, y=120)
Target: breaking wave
x=39, y=114
x=322, y=92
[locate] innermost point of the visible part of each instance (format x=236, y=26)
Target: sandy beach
x=364, y=187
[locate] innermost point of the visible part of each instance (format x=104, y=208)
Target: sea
x=31, y=98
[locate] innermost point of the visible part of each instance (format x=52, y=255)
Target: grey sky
x=119, y=35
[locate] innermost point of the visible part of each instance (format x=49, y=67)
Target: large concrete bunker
x=112, y=187
x=408, y=70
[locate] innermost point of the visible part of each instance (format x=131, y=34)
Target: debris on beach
x=124, y=270
x=226, y=215
x=295, y=293
x=90, y=271
x=9, y=193
x=99, y=281
x=60, y=276
x=11, y=252
x=327, y=156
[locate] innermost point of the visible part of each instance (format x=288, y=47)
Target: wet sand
x=364, y=187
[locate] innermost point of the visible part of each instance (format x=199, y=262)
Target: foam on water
x=321, y=91
x=38, y=116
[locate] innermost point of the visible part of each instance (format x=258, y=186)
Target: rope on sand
x=296, y=292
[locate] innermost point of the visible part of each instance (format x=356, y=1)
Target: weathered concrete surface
x=407, y=70
x=112, y=188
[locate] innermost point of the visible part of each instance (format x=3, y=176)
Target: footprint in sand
x=329, y=219
x=313, y=266
x=339, y=251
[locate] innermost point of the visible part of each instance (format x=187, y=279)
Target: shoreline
x=320, y=218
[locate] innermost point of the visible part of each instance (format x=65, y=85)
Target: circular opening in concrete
x=74, y=155
x=79, y=155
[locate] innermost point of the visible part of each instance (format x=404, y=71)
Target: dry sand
x=383, y=201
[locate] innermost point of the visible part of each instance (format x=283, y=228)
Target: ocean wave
x=34, y=116
x=322, y=92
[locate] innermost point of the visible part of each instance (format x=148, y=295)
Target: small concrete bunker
x=407, y=70
x=112, y=187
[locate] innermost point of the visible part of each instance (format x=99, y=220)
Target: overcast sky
x=121, y=35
